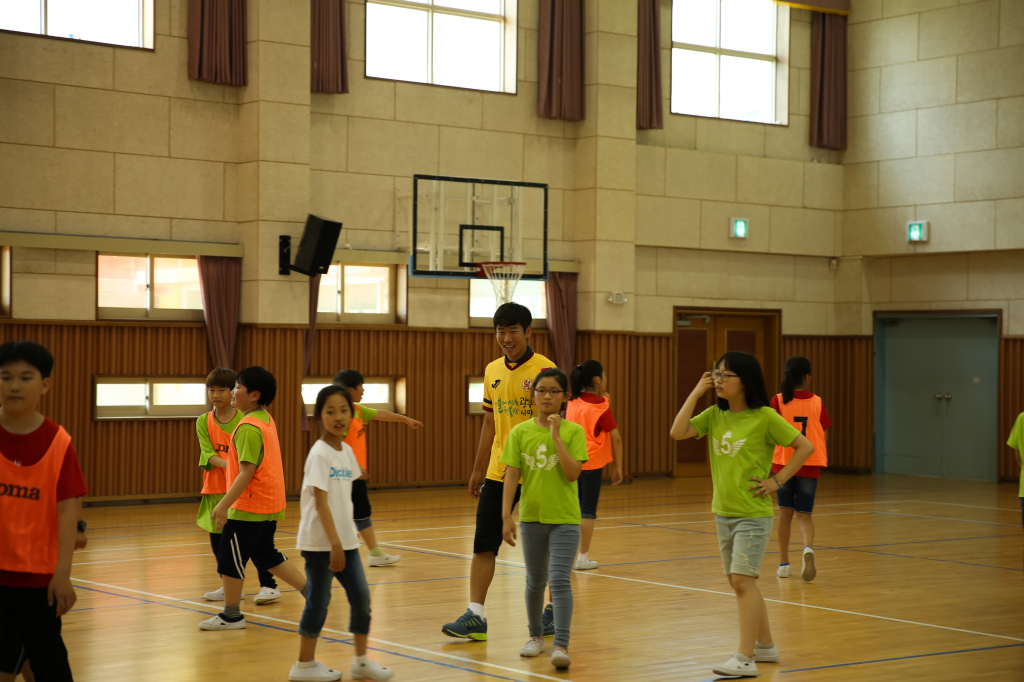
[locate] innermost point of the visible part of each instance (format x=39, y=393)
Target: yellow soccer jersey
x=508, y=393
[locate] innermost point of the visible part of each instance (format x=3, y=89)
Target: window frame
x=509, y=18
x=150, y=312
x=474, y=409
x=147, y=32
x=5, y=282
x=486, y=322
x=396, y=392
x=342, y=317
x=780, y=59
x=148, y=411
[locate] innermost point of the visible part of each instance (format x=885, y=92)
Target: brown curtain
x=828, y=81
x=649, y=105
x=220, y=282
x=561, y=60
x=561, y=300
x=328, y=51
x=217, y=50
x=307, y=349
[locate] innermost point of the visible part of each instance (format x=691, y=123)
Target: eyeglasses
x=545, y=392
x=722, y=376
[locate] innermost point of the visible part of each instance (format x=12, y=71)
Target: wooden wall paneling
x=843, y=375
x=1011, y=403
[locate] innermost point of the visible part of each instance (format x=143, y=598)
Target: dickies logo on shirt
x=343, y=473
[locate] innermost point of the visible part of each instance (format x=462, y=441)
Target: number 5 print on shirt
x=540, y=460
x=802, y=421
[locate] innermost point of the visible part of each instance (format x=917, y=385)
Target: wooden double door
x=704, y=336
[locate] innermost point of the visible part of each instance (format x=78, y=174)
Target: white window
x=379, y=393
x=460, y=43
x=144, y=285
x=113, y=22
x=474, y=395
x=729, y=59
x=356, y=293
x=530, y=293
x=149, y=397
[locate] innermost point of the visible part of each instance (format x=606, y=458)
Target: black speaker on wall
x=316, y=249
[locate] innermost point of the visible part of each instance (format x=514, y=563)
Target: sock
x=477, y=609
x=362, y=660
x=377, y=551
x=232, y=612
x=305, y=665
x=758, y=645
x=808, y=547
x=583, y=556
x=304, y=591
x=743, y=659
x=785, y=564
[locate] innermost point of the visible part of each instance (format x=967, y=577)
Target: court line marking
x=122, y=549
x=331, y=640
x=925, y=542
x=144, y=558
x=972, y=506
x=925, y=558
x=903, y=658
x=337, y=632
x=938, y=518
x=730, y=594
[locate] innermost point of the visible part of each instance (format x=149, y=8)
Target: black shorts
x=244, y=540
x=589, y=487
x=360, y=500
x=488, y=516
x=29, y=629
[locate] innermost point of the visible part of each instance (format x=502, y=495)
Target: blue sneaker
x=468, y=626
x=549, y=620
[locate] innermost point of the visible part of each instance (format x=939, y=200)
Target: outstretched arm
x=385, y=416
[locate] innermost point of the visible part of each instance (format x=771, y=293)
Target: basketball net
x=504, y=276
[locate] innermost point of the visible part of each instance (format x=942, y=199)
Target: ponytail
x=582, y=376
x=797, y=369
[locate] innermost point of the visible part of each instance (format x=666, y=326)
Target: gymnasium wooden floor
x=918, y=579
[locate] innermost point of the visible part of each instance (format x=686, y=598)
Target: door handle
x=938, y=396
x=949, y=396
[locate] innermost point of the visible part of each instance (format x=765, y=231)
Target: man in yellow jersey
x=508, y=384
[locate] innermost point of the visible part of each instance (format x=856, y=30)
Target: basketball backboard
x=460, y=222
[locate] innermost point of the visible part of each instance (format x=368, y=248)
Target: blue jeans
x=318, y=595
x=549, y=550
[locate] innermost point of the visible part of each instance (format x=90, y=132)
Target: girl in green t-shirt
x=549, y=454
x=743, y=431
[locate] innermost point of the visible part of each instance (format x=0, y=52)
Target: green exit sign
x=738, y=228
x=917, y=231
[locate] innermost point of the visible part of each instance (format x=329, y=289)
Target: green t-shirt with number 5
x=547, y=496
x=741, y=446
x=1016, y=442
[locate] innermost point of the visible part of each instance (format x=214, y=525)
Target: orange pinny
x=356, y=437
x=806, y=416
x=265, y=492
x=599, y=447
x=28, y=510
x=215, y=482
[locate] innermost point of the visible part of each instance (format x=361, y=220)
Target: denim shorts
x=742, y=542
x=798, y=493
x=589, y=487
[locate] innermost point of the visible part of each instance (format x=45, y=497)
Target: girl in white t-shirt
x=330, y=543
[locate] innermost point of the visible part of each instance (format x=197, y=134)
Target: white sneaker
x=218, y=595
x=218, y=623
x=810, y=570
x=266, y=595
x=318, y=673
x=534, y=647
x=784, y=571
x=734, y=667
x=560, y=659
x=385, y=560
x=766, y=654
x=585, y=564
x=370, y=671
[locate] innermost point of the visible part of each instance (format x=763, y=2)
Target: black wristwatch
x=82, y=525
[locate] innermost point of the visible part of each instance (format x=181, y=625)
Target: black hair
x=748, y=369
x=222, y=377
x=325, y=393
x=256, y=378
x=554, y=373
x=27, y=351
x=349, y=378
x=511, y=314
x=797, y=369
x=582, y=376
